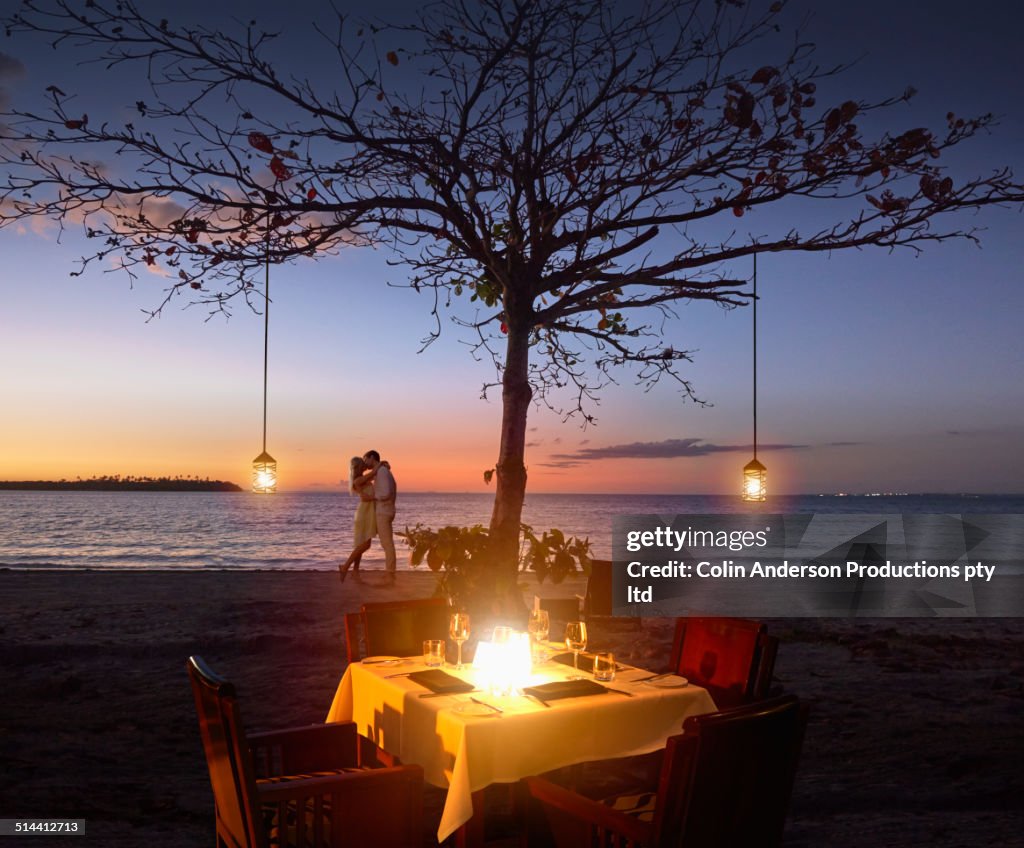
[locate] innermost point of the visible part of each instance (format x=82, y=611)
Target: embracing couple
x=373, y=481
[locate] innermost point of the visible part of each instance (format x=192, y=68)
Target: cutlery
x=399, y=674
x=652, y=677
x=444, y=694
x=485, y=704
x=620, y=691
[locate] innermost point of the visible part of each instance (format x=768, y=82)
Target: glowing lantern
x=505, y=662
x=264, y=474
x=754, y=481
x=754, y=473
x=264, y=467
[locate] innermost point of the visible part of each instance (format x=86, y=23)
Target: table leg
x=471, y=834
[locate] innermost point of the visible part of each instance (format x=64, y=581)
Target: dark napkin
x=586, y=661
x=440, y=681
x=565, y=689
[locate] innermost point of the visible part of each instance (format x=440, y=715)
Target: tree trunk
x=510, y=471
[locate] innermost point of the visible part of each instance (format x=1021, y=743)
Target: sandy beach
x=916, y=734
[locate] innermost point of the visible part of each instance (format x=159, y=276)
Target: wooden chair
x=598, y=601
x=733, y=658
x=561, y=610
x=301, y=788
x=395, y=628
x=725, y=782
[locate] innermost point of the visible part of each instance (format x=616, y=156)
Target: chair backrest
x=227, y=758
x=727, y=780
x=561, y=610
x=724, y=655
x=353, y=629
x=398, y=628
x=598, y=600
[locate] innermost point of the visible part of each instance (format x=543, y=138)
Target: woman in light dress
x=360, y=482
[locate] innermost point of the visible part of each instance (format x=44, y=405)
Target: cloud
x=667, y=449
x=10, y=69
x=841, y=444
x=534, y=444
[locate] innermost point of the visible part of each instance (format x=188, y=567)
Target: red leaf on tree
x=260, y=142
x=848, y=111
x=504, y=327
x=763, y=76
x=832, y=121
x=392, y=57
x=775, y=7
x=311, y=194
x=196, y=285
x=737, y=211
x=745, y=115
x=77, y=125
x=279, y=169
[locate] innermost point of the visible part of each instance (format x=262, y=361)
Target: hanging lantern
x=264, y=467
x=754, y=481
x=754, y=473
x=264, y=474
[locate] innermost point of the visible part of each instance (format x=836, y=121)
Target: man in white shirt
x=384, y=493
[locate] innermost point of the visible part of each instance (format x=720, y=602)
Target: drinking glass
x=458, y=629
x=433, y=653
x=604, y=666
x=539, y=628
x=576, y=641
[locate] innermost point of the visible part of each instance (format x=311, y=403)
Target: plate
x=382, y=661
x=671, y=682
x=474, y=709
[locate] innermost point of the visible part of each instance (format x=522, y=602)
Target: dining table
x=469, y=740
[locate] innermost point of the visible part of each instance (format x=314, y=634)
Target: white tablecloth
x=466, y=753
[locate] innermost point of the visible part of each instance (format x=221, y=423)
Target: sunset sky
x=879, y=372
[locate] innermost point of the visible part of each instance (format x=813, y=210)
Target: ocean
x=242, y=531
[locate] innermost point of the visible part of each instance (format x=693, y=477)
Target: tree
x=554, y=165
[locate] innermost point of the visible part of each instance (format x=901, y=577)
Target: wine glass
x=576, y=641
x=458, y=629
x=539, y=628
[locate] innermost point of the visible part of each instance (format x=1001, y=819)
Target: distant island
x=117, y=483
